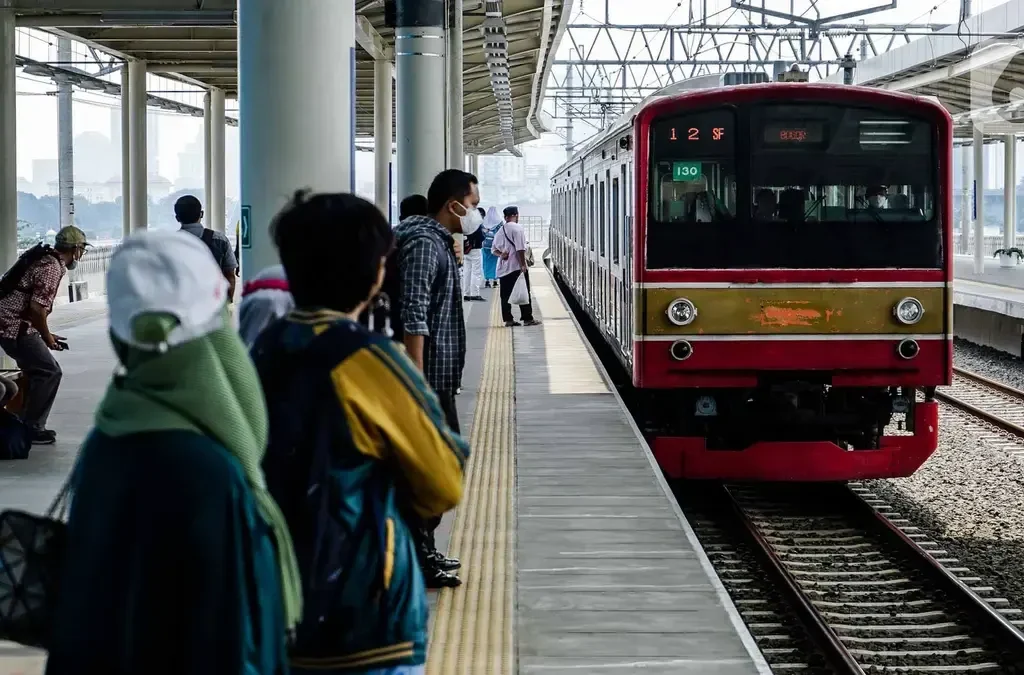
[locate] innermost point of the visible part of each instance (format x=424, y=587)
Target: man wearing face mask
x=878, y=197
x=434, y=330
x=24, y=332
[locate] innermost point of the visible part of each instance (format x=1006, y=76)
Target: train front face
x=794, y=301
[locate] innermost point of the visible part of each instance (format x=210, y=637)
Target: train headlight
x=681, y=312
x=909, y=311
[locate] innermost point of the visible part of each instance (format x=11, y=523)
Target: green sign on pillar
x=246, y=227
x=685, y=171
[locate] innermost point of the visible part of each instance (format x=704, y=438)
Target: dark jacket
x=170, y=568
x=389, y=449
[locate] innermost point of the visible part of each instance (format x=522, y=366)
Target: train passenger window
x=602, y=221
x=615, y=221
x=592, y=218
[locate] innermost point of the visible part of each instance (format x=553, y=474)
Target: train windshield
x=797, y=186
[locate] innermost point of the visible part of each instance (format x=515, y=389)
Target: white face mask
x=878, y=201
x=472, y=221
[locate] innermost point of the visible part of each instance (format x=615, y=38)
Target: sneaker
x=478, y=298
x=532, y=322
x=438, y=578
x=510, y=324
x=44, y=437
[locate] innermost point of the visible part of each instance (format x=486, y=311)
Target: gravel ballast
x=989, y=362
x=969, y=497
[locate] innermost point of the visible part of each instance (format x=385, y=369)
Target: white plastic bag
x=520, y=292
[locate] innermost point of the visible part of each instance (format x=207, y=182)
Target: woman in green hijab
x=178, y=561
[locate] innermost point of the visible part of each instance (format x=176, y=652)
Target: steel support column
x=8, y=141
x=456, y=155
x=419, y=94
x=65, y=140
x=965, y=200
x=979, y=200
x=383, y=119
x=207, y=150
x=1009, y=198
x=126, y=155
x=474, y=165
x=216, y=206
x=137, y=95
x=296, y=112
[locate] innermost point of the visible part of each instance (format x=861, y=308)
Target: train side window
x=615, y=221
x=592, y=219
x=602, y=221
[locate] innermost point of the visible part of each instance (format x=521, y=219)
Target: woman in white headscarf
x=264, y=300
x=491, y=224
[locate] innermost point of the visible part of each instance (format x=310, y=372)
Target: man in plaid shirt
x=431, y=313
x=25, y=334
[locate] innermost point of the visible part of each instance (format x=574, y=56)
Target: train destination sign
x=686, y=171
x=794, y=133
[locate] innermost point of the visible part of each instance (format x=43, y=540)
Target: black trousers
x=506, y=283
x=425, y=533
x=42, y=372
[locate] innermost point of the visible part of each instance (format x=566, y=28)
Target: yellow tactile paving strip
x=473, y=627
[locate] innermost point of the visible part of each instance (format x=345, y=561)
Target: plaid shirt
x=432, y=299
x=39, y=285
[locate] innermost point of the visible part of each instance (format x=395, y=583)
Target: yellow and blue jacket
x=353, y=398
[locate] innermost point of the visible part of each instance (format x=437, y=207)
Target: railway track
x=998, y=404
x=869, y=591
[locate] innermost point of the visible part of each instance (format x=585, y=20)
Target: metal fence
x=536, y=228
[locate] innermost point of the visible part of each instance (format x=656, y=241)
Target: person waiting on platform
x=265, y=299
x=510, y=247
x=374, y=439
x=473, y=268
x=177, y=560
x=189, y=212
x=490, y=227
x=413, y=205
x=24, y=332
x=434, y=328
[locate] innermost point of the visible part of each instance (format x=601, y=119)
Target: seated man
x=765, y=205
x=357, y=437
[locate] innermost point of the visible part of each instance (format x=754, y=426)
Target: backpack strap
x=208, y=239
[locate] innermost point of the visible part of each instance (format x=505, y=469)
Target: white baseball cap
x=168, y=272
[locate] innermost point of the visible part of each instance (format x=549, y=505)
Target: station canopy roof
x=975, y=68
x=201, y=46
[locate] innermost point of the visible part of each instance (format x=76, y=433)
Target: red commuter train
x=771, y=265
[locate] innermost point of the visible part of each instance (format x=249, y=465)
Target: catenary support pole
x=65, y=139
x=126, y=153
x=207, y=151
x=456, y=154
x=383, y=119
x=965, y=199
x=419, y=94
x=1009, y=198
x=138, y=93
x=296, y=105
x=217, y=206
x=8, y=142
x=979, y=200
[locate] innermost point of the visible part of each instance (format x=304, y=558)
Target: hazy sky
x=37, y=108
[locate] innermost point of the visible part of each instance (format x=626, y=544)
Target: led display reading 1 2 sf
x=703, y=133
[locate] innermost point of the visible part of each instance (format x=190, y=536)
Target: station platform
x=988, y=308
x=575, y=555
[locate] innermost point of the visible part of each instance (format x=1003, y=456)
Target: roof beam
x=370, y=40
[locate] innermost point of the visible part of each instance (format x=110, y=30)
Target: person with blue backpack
x=358, y=441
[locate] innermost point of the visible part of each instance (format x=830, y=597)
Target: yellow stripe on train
x=808, y=311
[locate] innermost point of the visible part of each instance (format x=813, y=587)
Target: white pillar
x=419, y=95
x=383, y=118
x=1009, y=198
x=456, y=155
x=965, y=199
x=207, y=151
x=8, y=142
x=474, y=165
x=216, y=205
x=296, y=98
x=65, y=140
x=979, y=201
x=126, y=153
x=137, y=94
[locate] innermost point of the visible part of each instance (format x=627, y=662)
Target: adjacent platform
x=989, y=307
x=576, y=558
